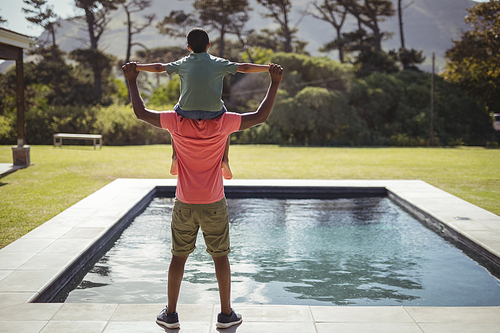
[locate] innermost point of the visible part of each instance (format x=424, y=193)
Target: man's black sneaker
x=167, y=321
x=225, y=321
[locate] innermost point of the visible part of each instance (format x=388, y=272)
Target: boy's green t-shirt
x=201, y=80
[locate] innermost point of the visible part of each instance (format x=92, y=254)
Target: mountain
x=429, y=25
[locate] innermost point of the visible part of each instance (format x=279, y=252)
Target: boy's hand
x=130, y=71
x=276, y=73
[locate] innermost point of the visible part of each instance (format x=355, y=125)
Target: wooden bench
x=96, y=138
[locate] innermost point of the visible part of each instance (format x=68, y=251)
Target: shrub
x=167, y=94
x=316, y=116
x=403, y=140
x=303, y=70
x=119, y=126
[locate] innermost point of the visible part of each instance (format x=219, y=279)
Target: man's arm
x=254, y=118
x=154, y=68
x=252, y=68
x=149, y=116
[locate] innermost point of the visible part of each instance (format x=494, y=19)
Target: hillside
x=429, y=26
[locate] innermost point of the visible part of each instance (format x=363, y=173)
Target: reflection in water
x=364, y=251
x=336, y=251
x=89, y=284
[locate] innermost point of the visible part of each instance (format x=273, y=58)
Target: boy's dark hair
x=198, y=40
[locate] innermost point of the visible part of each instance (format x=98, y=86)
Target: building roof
x=16, y=39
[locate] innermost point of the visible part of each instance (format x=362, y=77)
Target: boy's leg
x=226, y=171
x=223, y=274
x=173, y=166
x=175, y=274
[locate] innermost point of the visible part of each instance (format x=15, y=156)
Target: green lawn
x=58, y=178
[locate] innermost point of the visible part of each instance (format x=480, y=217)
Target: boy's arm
x=154, y=68
x=254, y=118
x=149, y=116
x=252, y=68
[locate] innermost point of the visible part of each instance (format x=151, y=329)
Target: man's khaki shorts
x=214, y=222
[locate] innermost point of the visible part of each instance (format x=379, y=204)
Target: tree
x=176, y=24
x=409, y=58
x=474, y=61
x=328, y=12
x=366, y=41
x=370, y=13
x=134, y=6
x=2, y=21
x=279, y=11
x=100, y=63
x=400, y=21
x=161, y=54
x=43, y=16
x=97, y=18
x=223, y=16
x=269, y=39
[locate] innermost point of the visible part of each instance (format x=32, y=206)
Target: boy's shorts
x=199, y=114
x=214, y=222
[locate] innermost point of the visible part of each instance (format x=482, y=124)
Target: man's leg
x=227, y=317
x=175, y=274
x=168, y=317
x=215, y=228
x=223, y=274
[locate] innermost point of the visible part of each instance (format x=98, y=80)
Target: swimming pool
x=360, y=251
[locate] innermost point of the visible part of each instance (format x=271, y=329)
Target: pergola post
x=21, y=152
x=11, y=48
x=20, y=98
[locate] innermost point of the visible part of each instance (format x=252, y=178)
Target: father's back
x=200, y=147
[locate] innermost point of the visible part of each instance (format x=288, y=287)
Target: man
x=200, y=200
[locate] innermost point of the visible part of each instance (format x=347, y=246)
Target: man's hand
x=130, y=71
x=276, y=73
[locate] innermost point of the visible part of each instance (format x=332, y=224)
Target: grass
x=58, y=178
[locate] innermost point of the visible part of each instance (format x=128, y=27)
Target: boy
x=200, y=200
x=201, y=85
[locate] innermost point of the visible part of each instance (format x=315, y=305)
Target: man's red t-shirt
x=200, y=148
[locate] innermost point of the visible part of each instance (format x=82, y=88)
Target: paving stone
x=151, y=326
x=360, y=314
x=459, y=328
x=275, y=313
x=23, y=245
x=479, y=315
x=29, y=312
x=22, y=326
x=74, y=327
x=85, y=312
x=368, y=327
x=266, y=327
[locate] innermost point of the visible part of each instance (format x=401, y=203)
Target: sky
x=11, y=10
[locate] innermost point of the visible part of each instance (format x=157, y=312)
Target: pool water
x=364, y=251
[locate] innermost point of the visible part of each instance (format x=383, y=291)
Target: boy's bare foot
x=173, y=167
x=226, y=171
